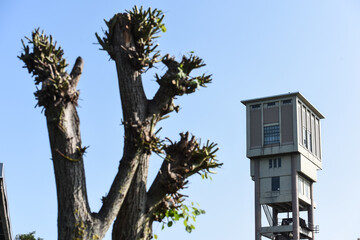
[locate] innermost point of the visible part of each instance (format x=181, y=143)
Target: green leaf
x=188, y=229
x=170, y=224
x=181, y=74
x=163, y=28
x=155, y=236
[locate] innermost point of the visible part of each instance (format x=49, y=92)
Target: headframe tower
x=283, y=145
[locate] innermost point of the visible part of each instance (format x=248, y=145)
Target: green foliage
x=190, y=63
x=180, y=80
x=106, y=41
x=182, y=160
x=186, y=214
x=186, y=66
x=29, y=236
x=45, y=60
x=145, y=26
x=204, y=159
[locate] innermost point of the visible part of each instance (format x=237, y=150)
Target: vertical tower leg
x=257, y=200
x=295, y=200
x=311, y=212
x=275, y=217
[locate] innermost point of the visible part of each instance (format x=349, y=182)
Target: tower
x=5, y=225
x=283, y=145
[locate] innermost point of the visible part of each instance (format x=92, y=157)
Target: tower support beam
x=295, y=199
x=257, y=200
x=311, y=212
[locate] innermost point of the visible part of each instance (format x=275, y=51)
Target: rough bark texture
x=75, y=220
x=130, y=220
x=129, y=44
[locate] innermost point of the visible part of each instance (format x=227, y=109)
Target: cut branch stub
x=144, y=26
x=45, y=60
x=47, y=64
x=178, y=78
x=185, y=158
x=189, y=158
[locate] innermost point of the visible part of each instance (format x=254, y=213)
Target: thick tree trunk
x=64, y=135
x=132, y=218
x=127, y=199
x=75, y=220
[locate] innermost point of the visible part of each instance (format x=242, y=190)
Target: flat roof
x=293, y=94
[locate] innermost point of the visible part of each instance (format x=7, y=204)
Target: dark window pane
x=256, y=106
x=271, y=134
x=305, y=138
x=287, y=101
x=275, y=184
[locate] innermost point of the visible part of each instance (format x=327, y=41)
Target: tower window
x=286, y=101
x=305, y=136
x=255, y=106
x=271, y=134
x=275, y=184
x=275, y=163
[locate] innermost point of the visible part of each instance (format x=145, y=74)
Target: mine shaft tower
x=283, y=145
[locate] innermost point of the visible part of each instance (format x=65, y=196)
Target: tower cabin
x=283, y=143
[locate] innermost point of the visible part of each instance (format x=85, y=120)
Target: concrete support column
x=311, y=212
x=275, y=217
x=257, y=200
x=295, y=197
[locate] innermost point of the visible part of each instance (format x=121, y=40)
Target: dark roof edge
x=297, y=94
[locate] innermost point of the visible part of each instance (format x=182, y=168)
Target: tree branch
x=115, y=198
x=58, y=95
x=184, y=159
x=176, y=82
x=162, y=103
x=76, y=71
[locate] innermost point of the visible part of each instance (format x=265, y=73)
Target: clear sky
x=253, y=49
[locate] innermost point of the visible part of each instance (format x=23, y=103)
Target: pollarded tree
x=129, y=40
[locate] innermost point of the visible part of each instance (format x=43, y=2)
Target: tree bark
x=128, y=201
x=132, y=217
x=65, y=143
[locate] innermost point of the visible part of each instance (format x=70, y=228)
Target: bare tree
x=129, y=40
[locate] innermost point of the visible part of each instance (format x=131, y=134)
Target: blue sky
x=253, y=49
